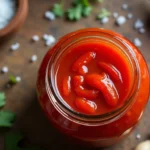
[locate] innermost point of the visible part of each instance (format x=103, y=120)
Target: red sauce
x=104, y=60
x=106, y=74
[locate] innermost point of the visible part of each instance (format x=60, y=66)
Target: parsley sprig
x=7, y=118
x=2, y=99
x=80, y=8
x=58, y=9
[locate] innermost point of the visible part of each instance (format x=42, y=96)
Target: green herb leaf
x=7, y=118
x=12, y=140
x=75, y=13
x=85, y=3
x=103, y=13
x=2, y=99
x=58, y=10
x=82, y=2
x=86, y=11
x=12, y=79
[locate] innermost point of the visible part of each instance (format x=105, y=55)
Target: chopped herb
x=103, y=13
x=58, y=10
x=7, y=118
x=12, y=140
x=2, y=99
x=12, y=79
x=86, y=11
x=80, y=8
x=85, y=3
x=75, y=13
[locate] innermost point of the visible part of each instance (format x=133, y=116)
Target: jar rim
x=72, y=114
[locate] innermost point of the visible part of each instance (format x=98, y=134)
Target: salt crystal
x=4, y=69
x=130, y=16
x=50, y=40
x=138, y=136
x=104, y=20
x=34, y=58
x=142, y=30
x=125, y=6
x=35, y=38
x=120, y=20
x=115, y=14
x=138, y=24
x=7, y=11
x=18, y=78
x=137, y=42
x=50, y=15
x=45, y=37
x=48, y=43
x=15, y=46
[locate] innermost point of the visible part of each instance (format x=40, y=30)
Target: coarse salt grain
x=138, y=136
x=125, y=6
x=130, y=16
x=138, y=24
x=45, y=37
x=34, y=58
x=35, y=38
x=137, y=42
x=50, y=15
x=50, y=40
x=120, y=20
x=104, y=20
x=48, y=43
x=4, y=69
x=18, y=78
x=15, y=46
x=7, y=11
x=142, y=30
x=115, y=14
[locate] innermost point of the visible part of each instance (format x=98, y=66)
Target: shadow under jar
x=114, y=73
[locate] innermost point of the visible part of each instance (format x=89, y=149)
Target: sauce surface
x=94, y=77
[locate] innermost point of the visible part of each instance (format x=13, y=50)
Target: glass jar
x=95, y=130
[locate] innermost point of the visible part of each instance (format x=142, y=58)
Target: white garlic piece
x=143, y=145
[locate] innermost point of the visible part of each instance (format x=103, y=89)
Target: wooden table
x=22, y=99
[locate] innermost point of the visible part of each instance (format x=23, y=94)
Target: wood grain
x=22, y=99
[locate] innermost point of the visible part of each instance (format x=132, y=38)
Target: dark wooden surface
x=22, y=99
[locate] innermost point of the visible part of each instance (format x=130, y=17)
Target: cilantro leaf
x=103, y=13
x=75, y=13
x=12, y=79
x=86, y=11
x=12, y=140
x=58, y=10
x=7, y=118
x=2, y=99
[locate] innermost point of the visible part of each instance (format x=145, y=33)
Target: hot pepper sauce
x=94, y=77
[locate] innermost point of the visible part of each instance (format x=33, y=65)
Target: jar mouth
x=51, y=84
